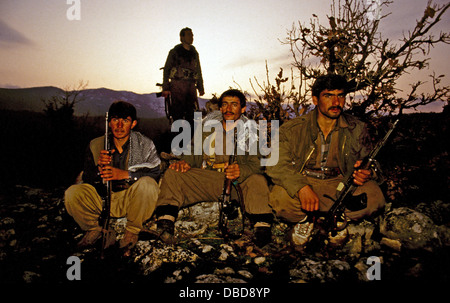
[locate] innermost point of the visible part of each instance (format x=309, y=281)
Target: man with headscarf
x=132, y=166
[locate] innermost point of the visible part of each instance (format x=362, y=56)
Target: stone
x=413, y=229
x=30, y=276
x=444, y=235
x=394, y=244
x=151, y=255
x=309, y=270
x=225, y=271
x=246, y=274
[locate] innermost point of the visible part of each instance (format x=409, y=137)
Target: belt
x=324, y=173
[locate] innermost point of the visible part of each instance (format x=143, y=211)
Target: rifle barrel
x=107, y=199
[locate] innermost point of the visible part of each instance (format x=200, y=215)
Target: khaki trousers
x=136, y=203
x=290, y=209
x=203, y=185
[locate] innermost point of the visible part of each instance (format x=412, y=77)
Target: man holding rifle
x=200, y=178
x=132, y=166
x=182, y=78
x=318, y=151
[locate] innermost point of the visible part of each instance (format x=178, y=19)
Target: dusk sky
x=122, y=45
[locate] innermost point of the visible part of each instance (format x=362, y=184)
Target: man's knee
x=78, y=195
x=146, y=186
x=169, y=174
x=256, y=180
x=375, y=197
x=74, y=193
x=146, y=182
x=375, y=201
x=284, y=205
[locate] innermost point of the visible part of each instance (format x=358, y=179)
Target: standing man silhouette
x=182, y=78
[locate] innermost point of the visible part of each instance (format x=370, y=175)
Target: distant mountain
x=94, y=102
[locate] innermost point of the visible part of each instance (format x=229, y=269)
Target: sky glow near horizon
x=122, y=45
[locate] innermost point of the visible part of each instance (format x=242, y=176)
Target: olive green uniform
x=300, y=152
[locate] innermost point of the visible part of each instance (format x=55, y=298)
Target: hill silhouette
x=94, y=102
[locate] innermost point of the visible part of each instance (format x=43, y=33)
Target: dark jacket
x=180, y=60
x=141, y=160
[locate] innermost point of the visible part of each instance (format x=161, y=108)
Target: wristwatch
x=130, y=178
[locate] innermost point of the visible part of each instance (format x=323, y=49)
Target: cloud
x=8, y=35
x=244, y=61
x=9, y=86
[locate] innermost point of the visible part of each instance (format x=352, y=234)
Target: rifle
x=167, y=104
x=347, y=188
x=229, y=208
x=106, y=211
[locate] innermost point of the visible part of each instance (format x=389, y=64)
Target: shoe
x=109, y=237
x=129, y=240
x=89, y=238
x=166, y=230
x=263, y=236
x=301, y=233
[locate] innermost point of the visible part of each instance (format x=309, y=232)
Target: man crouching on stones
x=133, y=166
x=200, y=178
x=317, y=152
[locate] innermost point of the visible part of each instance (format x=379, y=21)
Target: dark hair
x=184, y=30
x=233, y=93
x=330, y=82
x=122, y=109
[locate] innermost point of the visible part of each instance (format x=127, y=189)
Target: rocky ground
x=37, y=237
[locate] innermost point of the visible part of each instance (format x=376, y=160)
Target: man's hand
x=105, y=157
x=232, y=171
x=109, y=173
x=361, y=176
x=308, y=198
x=181, y=166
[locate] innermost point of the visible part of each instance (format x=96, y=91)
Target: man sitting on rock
x=317, y=152
x=133, y=168
x=200, y=178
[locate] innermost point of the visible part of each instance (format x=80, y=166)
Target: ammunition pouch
x=181, y=73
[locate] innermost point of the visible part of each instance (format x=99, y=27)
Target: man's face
x=121, y=128
x=231, y=108
x=188, y=37
x=330, y=103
